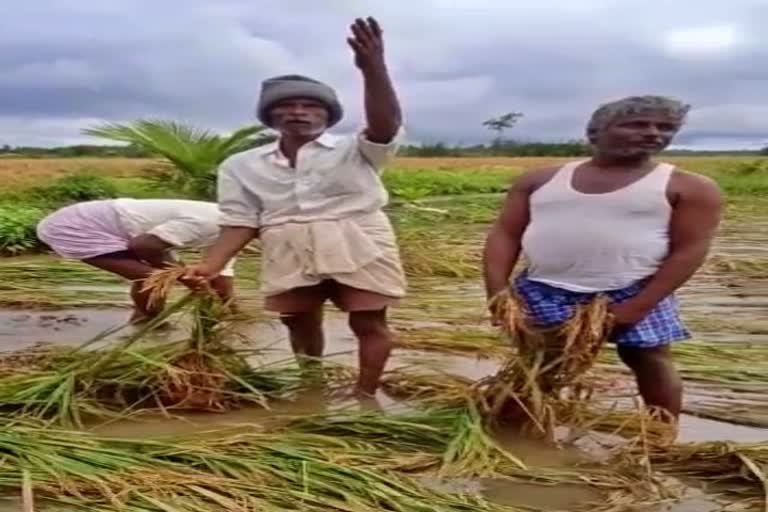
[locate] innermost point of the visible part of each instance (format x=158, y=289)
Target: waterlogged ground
x=46, y=300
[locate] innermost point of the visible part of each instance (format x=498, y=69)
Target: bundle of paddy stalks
x=737, y=366
x=544, y=364
x=218, y=471
x=636, y=422
x=740, y=408
x=426, y=255
x=428, y=388
x=201, y=373
x=581, y=413
x=481, y=343
x=735, y=470
x=336, y=462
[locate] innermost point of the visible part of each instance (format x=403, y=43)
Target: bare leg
x=657, y=379
x=126, y=265
x=375, y=339
x=142, y=311
x=306, y=334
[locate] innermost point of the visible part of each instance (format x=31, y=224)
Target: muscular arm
x=695, y=219
x=503, y=243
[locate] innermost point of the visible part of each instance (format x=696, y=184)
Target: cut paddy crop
x=203, y=372
x=342, y=462
x=735, y=470
x=223, y=471
x=482, y=343
x=546, y=362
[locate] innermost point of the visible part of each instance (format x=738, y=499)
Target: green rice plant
x=18, y=225
x=84, y=185
x=414, y=184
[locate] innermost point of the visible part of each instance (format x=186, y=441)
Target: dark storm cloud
x=68, y=64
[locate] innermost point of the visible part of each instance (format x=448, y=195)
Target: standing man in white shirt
x=620, y=225
x=134, y=237
x=315, y=201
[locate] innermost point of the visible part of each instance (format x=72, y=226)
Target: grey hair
x=609, y=112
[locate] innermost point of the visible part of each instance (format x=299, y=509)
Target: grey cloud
x=455, y=62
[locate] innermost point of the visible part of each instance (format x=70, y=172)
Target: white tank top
x=597, y=242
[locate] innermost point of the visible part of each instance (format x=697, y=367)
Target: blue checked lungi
x=549, y=306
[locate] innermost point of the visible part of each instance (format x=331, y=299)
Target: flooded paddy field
x=443, y=333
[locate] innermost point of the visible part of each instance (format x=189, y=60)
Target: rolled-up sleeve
x=379, y=155
x=238, y=206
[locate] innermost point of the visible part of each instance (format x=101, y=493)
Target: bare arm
x=224, y=287
x=382, y=108
x=504, y=241
x=151, y=249
x=231, y=241
x=695, y=219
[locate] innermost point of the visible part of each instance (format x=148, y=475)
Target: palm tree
x=501, y=123
x=194, y=154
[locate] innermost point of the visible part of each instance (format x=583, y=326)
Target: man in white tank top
x=619, y=224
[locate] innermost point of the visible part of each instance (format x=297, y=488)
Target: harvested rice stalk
x=472, y=452
x=219, y=471
x=437, y=389
x=425, y=255
x=200, y=373
x=198, y=377
x=741, y=408
x=527, y=388
x=737, y=469
x=640, y=423
x=477, y=342
x=455, y=443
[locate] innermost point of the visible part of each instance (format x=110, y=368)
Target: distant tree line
x=499, y=146
x=507, y=148
x=129, y=151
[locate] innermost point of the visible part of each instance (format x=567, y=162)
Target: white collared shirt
x=335, y=177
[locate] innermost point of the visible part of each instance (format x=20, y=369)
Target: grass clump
x=18, y=225
x=84, y=185
x=414, y=184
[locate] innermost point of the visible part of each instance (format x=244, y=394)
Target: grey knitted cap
x=284, y=87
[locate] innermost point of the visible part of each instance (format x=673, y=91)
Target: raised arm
x=382, y=108
x=695, y=219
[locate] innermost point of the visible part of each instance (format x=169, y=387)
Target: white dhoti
x=360, y=252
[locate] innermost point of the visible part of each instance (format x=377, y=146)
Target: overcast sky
x=67, y=64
